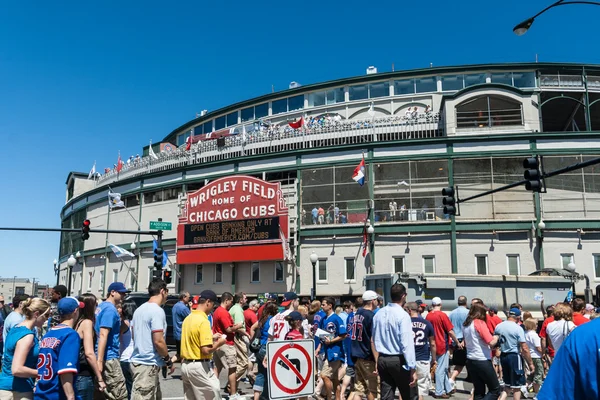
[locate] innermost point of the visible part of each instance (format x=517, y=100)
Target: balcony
x=562, y=81
x=272, y=139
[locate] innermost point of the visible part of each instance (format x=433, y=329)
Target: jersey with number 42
x=59, y=354
x=279, y=327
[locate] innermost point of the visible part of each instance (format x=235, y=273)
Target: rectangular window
x=90, y=278
x=502, y=77
x=513, y=264
x=279, y=106
x=474, y=79
x=597, y=265
x=255, y=272
x=197, y=130
x=452, y=82
x=335, y=96
x=232, y=118
x=153, y=197
x=566, y=259
x=132, y=201
x=218, y=273
x=220, y=123
x=524, y=79
x=429, y=264
x=296, y=103
x=172, y=193
x=350, y=276
x=481, y=265
x=425, y=85
x=406, y=86
x=278, y=271
x=322, y=270
x=261, y=111
x=115, y=275
x=101, y=284
x=248, y=114
x=398, y=265
x=316, y=99
x=380, y=89
x=199, y=274
x=359, y=92
x=207, y=127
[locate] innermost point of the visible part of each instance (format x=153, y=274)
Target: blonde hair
x=33, y=305
x=562, y=311
x=530, y=324
x=303, y=310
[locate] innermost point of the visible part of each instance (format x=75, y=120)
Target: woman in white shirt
x=479, y=342
x=558, y=330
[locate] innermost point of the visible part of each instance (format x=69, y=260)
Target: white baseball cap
x=369, y=295
x=436, y=301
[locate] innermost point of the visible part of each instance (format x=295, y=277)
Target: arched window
x=488, y=111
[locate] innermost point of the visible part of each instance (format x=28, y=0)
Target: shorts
x=225, y=357
x=331, y=368
x=459, y=356
x=537, y=375
x=512, y=370
x=424, y=377
x=366, y=380
x=350, y=371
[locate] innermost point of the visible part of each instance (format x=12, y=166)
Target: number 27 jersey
x=59, y=354
x=279, y=327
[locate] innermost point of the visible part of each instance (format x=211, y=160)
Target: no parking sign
x=291, y=369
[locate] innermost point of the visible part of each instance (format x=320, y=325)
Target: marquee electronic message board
x=237, y=218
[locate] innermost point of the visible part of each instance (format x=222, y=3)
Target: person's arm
x=19, y=369
x=452, y=335
x=253, y=329
x=102, y=340
x=526, y=355
x=88, y=348
x=66, y=380
x=433, y=349
x=484, y=333
x=208, y=350
x=543, y=309
x=408, y=347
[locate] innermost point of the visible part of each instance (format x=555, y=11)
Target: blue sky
x=80, y=81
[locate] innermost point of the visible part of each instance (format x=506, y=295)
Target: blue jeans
x=261, y=384
x=84, y=387
x=126, y=367
x=442, y=382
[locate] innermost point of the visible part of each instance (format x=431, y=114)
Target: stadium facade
x=418, y=132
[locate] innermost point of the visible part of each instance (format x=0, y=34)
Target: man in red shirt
x=578, y=309
x=225, y=356
x=250, y=316
x=442, y=328
x=492, y=319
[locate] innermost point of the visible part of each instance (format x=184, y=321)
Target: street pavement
x=172, y=387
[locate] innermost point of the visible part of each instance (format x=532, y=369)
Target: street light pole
x=56, y=271
x=524, y=26
x=70, y=264
x=313, y=291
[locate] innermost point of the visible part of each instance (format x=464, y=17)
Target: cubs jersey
x=59, y=354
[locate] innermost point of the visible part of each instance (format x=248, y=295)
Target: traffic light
x=167, y=276
x=449, y=201
x=158, y=258
x=532, y=174
x=156, y=274
x=85, y=230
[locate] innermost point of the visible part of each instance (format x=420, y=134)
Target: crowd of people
x=85, y=348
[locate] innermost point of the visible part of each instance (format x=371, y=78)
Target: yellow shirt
x=195, y=333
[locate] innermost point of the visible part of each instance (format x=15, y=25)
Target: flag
x=284, y=244
x=120, y=252
x=151, y=152
x=188, y=142
x=92, y=171
x=365, y=241
x=297, y=124
x=372, y=110
x=165, y=255
x=359, y=173
x=244, y=134
x=119, y=163
x=114, y=200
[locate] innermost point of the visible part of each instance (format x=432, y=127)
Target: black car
x=141, y=298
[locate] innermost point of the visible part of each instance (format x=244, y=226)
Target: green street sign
x=160, y=225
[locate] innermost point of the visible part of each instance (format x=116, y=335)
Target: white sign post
x=290, y=369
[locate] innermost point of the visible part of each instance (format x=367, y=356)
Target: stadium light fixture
x=524, y=26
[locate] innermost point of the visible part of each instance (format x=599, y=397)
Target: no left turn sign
x=291, y=369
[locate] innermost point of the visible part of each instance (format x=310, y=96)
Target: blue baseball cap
x=294, y=316
x=288, y=297
x=68, y=305
x=514, y=312
x=118, y=287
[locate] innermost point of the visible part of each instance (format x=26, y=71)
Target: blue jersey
x=361, y=335
x=422, y=331
x=576, y=367
x=348, y=340
x=107, y=317
x=335, y=326
x=317, y=324
x=59, y=354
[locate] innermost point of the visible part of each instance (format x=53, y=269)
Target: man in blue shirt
x=394, y=346
x=334, y=351
x=107, y=327
x=424, y=348
x=362, y=348
x=350, y=372
x=459, y=355
x=576, y=366
x=15, y=317
x=180, y=311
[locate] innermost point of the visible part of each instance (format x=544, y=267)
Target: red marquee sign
x=232, y=214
